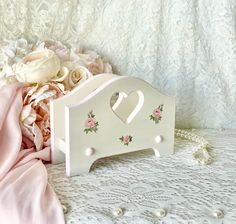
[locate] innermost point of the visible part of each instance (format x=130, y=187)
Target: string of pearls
x=201, y=155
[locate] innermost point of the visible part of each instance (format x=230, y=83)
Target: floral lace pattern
x=186, y=48
x=141, y=183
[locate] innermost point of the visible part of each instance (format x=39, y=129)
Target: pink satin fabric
x=25, y=194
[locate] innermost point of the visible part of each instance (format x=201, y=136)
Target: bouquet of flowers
x=48, y=69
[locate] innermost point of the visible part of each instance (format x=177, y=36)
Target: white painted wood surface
x=86, y=125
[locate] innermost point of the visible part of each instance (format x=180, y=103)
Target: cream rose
x=99, y=66
x=71, y=75
x=76, y=76
x=38, y=66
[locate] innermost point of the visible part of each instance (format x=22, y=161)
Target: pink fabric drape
x=25, y=194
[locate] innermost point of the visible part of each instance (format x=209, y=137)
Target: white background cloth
x=141, y=183
x=185, y=48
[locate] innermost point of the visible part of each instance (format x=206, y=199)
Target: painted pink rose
x=157, y=112
x=126, y=139
x=90, y=122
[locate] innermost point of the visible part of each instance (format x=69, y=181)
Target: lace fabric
x=140, y=183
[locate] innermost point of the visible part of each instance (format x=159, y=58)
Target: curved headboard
x=94, y=127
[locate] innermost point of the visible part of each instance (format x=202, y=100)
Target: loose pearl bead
x=89, y=151
x=161, y=213
x=65, y=209
x=218, y=213
x=159, y=139
x=118, y=212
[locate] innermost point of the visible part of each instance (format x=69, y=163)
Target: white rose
x=62, y=74
x=38, y=66
x=74, y=75
x=99, y=66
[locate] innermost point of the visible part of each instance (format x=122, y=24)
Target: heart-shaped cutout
x=126, y=107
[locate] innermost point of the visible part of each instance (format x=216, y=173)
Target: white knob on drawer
x=159, y=139
x=89, y=151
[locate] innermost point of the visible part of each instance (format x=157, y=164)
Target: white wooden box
x=108, y=115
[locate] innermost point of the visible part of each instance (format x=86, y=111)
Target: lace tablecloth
x=140, y=183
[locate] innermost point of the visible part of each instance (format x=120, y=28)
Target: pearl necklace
x=201, y=155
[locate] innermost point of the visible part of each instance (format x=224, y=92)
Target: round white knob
x=161, y=213
x=89, y=151
x=118, y=212
x=218, y=213
x=159, y=139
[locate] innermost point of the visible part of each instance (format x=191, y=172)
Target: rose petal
x=39, y=92
x=38, y=137
x=30, y=119
x=27, y=131
x=64, y=72
x=29, y=92
x=62, y=88
x=44, y=108
x=25, y=112
x=44, y=96
x=54, y=86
